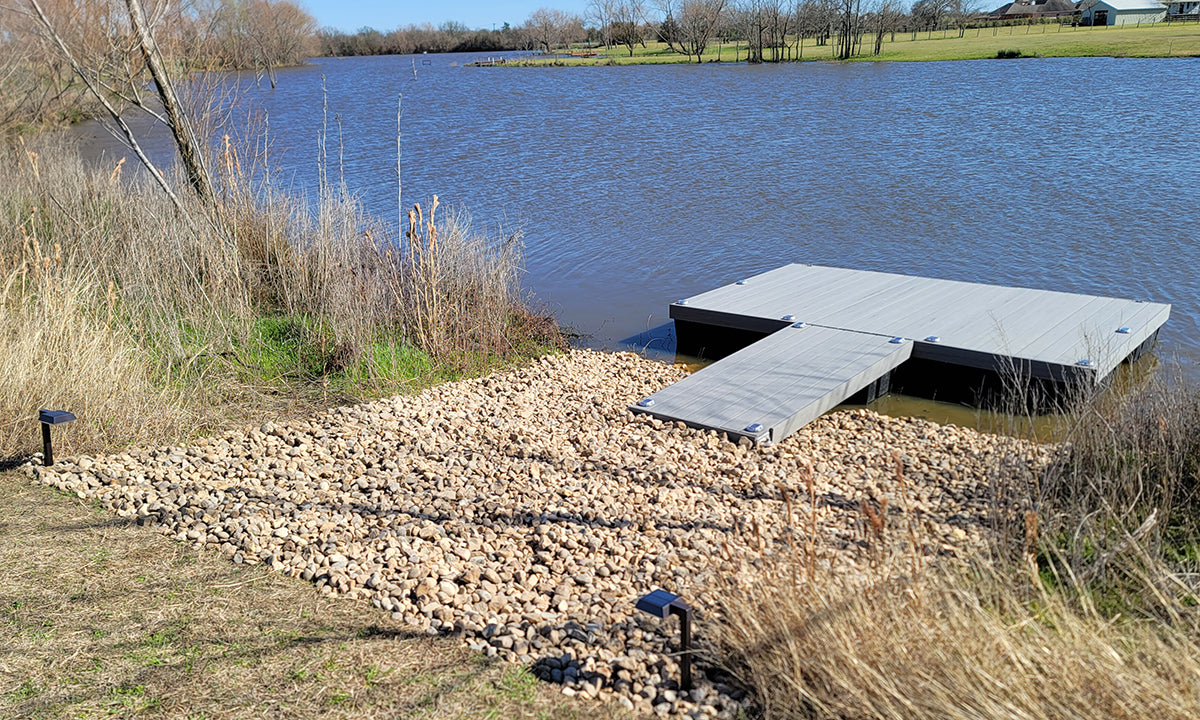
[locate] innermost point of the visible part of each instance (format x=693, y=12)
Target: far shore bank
x=1034, y=40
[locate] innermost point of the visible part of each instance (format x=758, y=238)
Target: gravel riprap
x=528, y=510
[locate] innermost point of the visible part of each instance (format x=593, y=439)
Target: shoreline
x=1035, y=40
x=526, y=511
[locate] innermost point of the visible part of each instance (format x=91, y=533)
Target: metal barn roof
x=1120, y=5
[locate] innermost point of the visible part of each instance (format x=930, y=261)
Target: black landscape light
x=660, y=604
x=48, y=418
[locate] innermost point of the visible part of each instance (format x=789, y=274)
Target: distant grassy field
x=1043, y=40
x=1047, y=41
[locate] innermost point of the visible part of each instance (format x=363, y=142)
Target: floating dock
x=805, y=338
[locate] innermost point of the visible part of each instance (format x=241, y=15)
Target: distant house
x=1183, y=10
x=1121, y=12
x=1022, y=9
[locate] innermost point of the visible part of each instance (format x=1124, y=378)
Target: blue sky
x=350, y=15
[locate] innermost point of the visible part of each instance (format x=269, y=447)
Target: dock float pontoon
x=810, y=337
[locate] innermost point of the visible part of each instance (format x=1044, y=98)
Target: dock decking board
x=1021, y=323
x=782, y=382
x=794, y=374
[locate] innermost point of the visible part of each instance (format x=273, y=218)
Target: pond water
x=635, y=186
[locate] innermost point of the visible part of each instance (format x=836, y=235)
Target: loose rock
x=527, y=511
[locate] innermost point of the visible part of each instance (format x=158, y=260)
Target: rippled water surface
x=639, y=185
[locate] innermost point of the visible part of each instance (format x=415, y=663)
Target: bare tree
x=815, y=19
x=849, y=27
x=694, y=24
x=601, y=13
x=887, y=18
x=281, y=34
x=962, y=12
x=190, y=151
x=766, y=25
x=751, y=22
x=781, y=23
x=259, y=34
x=626, y=25
x=35, y=82
x=930, y=14
x=112, y=74
x=551, y=29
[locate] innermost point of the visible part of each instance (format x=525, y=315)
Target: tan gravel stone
x=529, y=510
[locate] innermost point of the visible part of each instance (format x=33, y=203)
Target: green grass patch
x=289, y=351
x=1045, y=40
x=1033, y=40
x=286, y=347
x=28, y=689
x=388, y=366
x=517, y=684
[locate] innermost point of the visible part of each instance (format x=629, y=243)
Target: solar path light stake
x=48, y=418
x=660, y=604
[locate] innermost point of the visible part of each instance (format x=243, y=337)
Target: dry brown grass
x=1134, y=454
x=449, y=276
x=950, y=644
x=152, y=323
x=56, y=351
x=1084, y=607
x=103, y=618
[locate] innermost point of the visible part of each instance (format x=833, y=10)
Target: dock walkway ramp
x=781, y=383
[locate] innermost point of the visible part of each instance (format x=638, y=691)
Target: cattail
x=115, y=177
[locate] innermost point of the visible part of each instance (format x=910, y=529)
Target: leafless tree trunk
x=110, y=73
x=849, y=27
x=695, y=24
x=190, y=151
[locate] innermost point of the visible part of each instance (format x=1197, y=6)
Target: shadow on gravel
x=370, y=632
x=13, y=462
x=375, y=632
x=115, y=522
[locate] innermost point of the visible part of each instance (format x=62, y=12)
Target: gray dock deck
x=765, y=392
x=792, y=376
